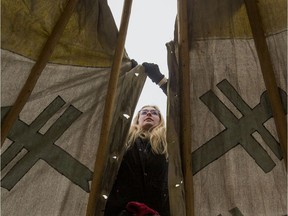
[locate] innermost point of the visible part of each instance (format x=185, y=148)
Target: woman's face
x=148, y=117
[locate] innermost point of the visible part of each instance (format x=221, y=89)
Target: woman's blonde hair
x=155, y=135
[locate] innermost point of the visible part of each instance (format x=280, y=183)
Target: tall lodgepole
x=37, y=69
x=101, y=156
x=185, y=115
x=268, y=74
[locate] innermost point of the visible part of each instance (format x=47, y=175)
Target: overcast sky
x=151, y=26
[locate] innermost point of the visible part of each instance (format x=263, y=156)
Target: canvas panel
x=228, y=19
x=236, y=158
x=89, y=38
x=48, y=159
x=122, y=118
x=175, y=175
x=237, y=164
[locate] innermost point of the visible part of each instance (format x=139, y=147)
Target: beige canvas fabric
x=237, y=163
x=89, y=38
x=48, y=158
x=242, y=171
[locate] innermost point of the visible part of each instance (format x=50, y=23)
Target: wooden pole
x=37, y=69
x=185, y=116
x=102, y=151
x=268, y=74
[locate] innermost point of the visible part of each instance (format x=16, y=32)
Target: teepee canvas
x=48, y=157
x=237, y=162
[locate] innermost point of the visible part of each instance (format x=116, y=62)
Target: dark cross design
x=42, y=147
x=238, y=131
x=234, y=212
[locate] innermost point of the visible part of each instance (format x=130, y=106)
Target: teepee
x=68, y=92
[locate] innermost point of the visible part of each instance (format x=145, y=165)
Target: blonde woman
x=141, y=184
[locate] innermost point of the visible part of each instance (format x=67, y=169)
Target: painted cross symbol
x=234, y=212
x=238, y=131
x=42, y=147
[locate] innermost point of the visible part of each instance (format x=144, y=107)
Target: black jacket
x=142, y=177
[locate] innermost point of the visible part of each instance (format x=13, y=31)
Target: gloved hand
x=133, y=63
x=153, y=72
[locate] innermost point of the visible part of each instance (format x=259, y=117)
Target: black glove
x=133, y=63
x=153, y=72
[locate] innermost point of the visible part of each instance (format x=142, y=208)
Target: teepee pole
x=37, y=69
x=185, y=116
x=101, y=156
x=268, y=74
